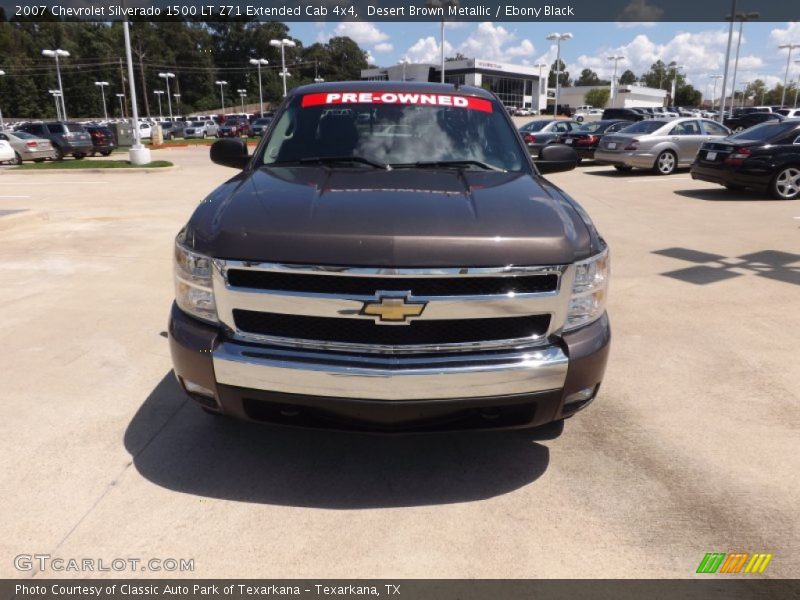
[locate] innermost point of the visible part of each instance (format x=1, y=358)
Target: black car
x=102, y=139
x=542, y=132
x=585, y=139
x=741, y=122
x=173, y=129
x=260, y=126
x=765, y=157
x=66, y=136
x=622, y=114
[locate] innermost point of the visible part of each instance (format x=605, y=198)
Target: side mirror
x=231, y=152
x=556, y=158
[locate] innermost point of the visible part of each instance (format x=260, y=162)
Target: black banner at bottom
x=717, y=587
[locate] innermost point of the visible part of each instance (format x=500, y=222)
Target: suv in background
x=234, y=127
x=102, y=139
x=622, y=114
x=67, y=137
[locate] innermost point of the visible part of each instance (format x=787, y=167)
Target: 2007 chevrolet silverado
x=390, y=258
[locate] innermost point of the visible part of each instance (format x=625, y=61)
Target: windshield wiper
x=455, y=164
x=335, y=159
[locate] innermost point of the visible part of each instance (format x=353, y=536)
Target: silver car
x=200, y=129
x=659, y=144
x=28, y=147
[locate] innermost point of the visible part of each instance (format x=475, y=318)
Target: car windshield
x=644, y=127
x=592, y=127
x=232, y=122
x=23, y=135
x=75, y=127
x=763, y=132
x=397, y=129
x=198, y=123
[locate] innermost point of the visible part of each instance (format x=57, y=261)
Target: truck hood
x=401, y=218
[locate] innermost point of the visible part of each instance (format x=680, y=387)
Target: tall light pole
x=317, y=78
x=121, y=105
x=741, y=17
x=102, y=85
x=714, y=93
x=744, y=92
x=675, y=83
x=166, y=77
x=541, y=66
x=138, y=154
x=788, y=62
x=444, y=5
x=242, y=94
x=2, y=125
x=283, y=44
x=56, y=96
x=797, y=86
x=58, y=53
x=727, y=63
x=616, y=59
x=158, y=94
x=222, y=83
x=404, y=61
x=258, y=62
x=558, y=38
x=177, y=102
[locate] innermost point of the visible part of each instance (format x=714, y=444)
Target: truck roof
x=392, y=86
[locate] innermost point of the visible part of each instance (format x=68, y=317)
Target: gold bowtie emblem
x=392, y=310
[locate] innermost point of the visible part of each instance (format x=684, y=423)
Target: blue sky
x=698, y=46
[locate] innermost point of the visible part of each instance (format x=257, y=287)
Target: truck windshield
x=397, y=129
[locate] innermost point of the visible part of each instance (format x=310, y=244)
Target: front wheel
x=738, y=129
x=786, y=184
x=106, y=153
x=17, y=160
x=666, y=163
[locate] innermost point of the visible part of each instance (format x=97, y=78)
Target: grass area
x=90, y=164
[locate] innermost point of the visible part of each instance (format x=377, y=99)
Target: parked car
x=658, y=144
x=541, y=132
x=234, y=127
x=67, y=137
x=789, y=113
x=145, y=130
x=102, y=140
x=584, y=139
x=591, y=114
x=173, y=130
x=765, y=158
x=6, y=152
x=358, y=291
x=744, y=121
x=200, y=129
x=523, y=112
x=260, y=126
x=624, y=114
x=27, y=147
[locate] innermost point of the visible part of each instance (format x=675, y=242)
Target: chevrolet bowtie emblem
x=392, y=309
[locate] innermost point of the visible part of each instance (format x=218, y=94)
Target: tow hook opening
x=579, y=400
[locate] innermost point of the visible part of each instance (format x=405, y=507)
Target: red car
x=234, y=127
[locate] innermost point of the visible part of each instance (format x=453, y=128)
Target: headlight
x=194, y=293
x=589, y=291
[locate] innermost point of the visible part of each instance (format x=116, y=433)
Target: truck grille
x=418, y=286
x=357, y=331
x=323, y=308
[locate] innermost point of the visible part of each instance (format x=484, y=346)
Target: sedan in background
x=6, y=152
x=102, y=139
x=585, y=139
x=765, y=158
x=658, y=144
x=27, y=147
x=592, y=114
x=542, y=132
x=743, y=121
x=260, y=126
x=67, y=137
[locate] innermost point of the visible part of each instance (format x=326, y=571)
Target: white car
x=145, y=130
x=6, y=151
x=587, y=116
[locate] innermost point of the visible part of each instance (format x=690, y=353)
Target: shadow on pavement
x=176, y=445
x=724, y=195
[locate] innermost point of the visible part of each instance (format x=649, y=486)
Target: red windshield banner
x=338, y=98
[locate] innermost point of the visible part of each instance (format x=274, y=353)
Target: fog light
x=579, y=399
x=195, y=388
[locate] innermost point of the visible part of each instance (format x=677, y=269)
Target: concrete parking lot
x=693, y=445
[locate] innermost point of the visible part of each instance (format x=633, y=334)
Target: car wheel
x=106, y=153
x=93, y=154
x=79, y=156
x=786, y=184
x=738, y=129
x=579, y=119
x=666, y=163
x=623, y=168
x=17, y=160
x=59, y=154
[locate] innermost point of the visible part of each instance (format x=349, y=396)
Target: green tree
x=589, y=77
x=628, y=77
x=597, y=97
x=563, y=78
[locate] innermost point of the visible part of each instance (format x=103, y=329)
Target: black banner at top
x=401, y=10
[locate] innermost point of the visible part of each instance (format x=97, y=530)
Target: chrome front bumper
x=390, y=377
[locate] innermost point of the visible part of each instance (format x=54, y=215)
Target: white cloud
x=632, y=24
x=785, y=36
x=427, y=50
x=361, y=32
x=384, y=47
x=487, y=41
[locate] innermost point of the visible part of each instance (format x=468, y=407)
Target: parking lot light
x=2, y=126
x=283, y=44
x=56, y=95
x=58, y=53
x=714, y=93
x=121, y=105
x=258, y=62
x=675, y=83
x=102, y=85
x=616, y=58
x=158, y=94
x=166, y=77
x=222, y=83
x=558, y=38
x=741, y=17
x=790, y=47
x=242, y=94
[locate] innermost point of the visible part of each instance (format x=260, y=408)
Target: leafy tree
x=597, y=97
x=563, y=78
x=589, y=77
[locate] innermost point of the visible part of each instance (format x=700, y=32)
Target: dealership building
x=515, y=85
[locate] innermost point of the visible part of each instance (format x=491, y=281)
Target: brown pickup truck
x=390, y=258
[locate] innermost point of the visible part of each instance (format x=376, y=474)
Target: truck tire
x=59, y=154
x=666, y=163
x=786, y=183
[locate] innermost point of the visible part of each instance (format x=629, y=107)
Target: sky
x=700, y=47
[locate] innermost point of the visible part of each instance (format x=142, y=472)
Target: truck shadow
x=176, y=445
x=724, y=195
